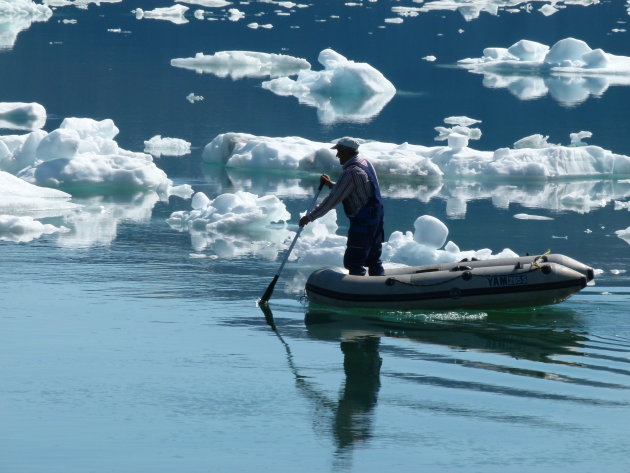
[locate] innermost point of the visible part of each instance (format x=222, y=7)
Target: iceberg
x=570, y=71
x=241, y=64
x=344, y=91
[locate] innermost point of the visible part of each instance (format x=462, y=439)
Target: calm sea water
x=123, y=354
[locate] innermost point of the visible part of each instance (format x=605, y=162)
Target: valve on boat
x=467, y=275
x=546, y=269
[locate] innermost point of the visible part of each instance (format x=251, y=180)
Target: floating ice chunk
x=192, y=98
x=174, y=14
x=255, y=26
x=343, y=91
x=235, y=224
x=81, y=154
x=394, y=20
x=406, y=11
x=531, y=217
x=158, y=146
x=430, y=231
x=457, y=141
x=19, y=15
x=430, y=58
x=22, y=116
x=240, y=64
x=24, y=229
x=461, y=121
x=240, y=150
x=548, y=10
x=207, y=3
x=235, y=14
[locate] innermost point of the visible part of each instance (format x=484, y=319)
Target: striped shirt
x=353, y=188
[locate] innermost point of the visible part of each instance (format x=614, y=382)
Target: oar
x=267, y=295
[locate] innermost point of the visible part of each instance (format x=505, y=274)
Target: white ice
x=18, y=197
x=570, y=71
x=471, y=9
x=158, y=146
x=174, y=14
x=624, y=234
x=456, y=160
x=235, y=224
x=82, y=155
x=240, y=224
x=19, y=15
x=240, y=64
x=22, y=116
x=207, y=3
x=343, y=91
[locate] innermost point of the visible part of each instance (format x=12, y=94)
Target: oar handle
x=267, y=295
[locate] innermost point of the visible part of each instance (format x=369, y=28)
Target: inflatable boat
x=479, y=284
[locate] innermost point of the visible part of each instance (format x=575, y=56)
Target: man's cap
x=347, y=142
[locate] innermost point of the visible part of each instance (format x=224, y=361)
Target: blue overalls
x=366, y=233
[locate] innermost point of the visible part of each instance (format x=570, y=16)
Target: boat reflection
x=349, y=419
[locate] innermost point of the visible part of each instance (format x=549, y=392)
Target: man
x=358, y=190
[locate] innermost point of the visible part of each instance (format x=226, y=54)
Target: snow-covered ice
x=343, y=91
x=241, y=64
x=570, y=71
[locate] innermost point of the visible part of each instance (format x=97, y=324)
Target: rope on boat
x=467, y=275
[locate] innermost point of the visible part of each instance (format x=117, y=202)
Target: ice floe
x=456, y=160
x=343, y=91
x=570, y=71
x=175, y=14
x=235, y=224
x=81, y=156
x=17, y=16
x=241, y=64
x=624, y=234
x=241, y=224
x=207, y=3
x=22, y=116
x=158, y=146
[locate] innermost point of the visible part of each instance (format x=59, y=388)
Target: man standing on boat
x=358, y=190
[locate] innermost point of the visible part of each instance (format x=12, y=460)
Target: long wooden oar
x=267, y=295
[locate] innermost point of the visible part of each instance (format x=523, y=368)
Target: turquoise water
x=121, y=353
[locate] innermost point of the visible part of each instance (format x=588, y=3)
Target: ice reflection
x=581, y=196
x=568, y=89
x=96, y=224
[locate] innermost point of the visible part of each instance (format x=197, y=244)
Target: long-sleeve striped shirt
x=353, y=188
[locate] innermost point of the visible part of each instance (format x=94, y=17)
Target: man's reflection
x=354, y=413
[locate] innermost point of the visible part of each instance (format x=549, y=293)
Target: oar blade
x=267, y=295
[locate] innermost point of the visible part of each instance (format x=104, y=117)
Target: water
x=122, y=353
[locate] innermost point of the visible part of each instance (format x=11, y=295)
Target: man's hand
x=303, y=221
x=325, y=180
